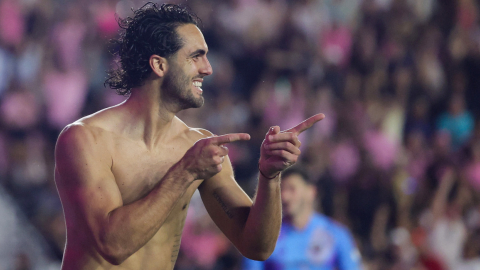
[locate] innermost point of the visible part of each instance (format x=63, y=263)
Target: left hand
x=281, y=149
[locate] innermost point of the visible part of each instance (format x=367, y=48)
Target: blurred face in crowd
x=298, y=196
x=186, y=69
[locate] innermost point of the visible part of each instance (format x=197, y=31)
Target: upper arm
x=227, y=204
x=85, y=181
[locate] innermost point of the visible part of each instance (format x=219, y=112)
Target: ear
x=158, y=64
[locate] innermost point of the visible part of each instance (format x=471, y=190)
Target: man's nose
x=206, y=68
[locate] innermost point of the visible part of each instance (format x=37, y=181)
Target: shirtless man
x=126, y=174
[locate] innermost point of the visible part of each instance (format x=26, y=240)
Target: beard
x=177, y=89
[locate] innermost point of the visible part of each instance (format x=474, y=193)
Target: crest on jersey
x=321, y=248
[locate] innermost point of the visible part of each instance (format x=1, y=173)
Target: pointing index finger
x=306, y=124
x=228, y=138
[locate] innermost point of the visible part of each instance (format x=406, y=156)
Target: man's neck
x=300, y=221
x=149, y=117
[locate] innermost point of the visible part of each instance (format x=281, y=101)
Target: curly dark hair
x=152, y=30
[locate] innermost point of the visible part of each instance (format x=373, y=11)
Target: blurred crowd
x=397, y=159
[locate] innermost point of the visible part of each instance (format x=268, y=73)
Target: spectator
x=458, y=122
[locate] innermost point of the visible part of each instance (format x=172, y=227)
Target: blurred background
x=397, y=159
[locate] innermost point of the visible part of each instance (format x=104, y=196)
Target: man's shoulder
x=84, y=133
x=199, y=133
x=76, y=138
x=331, y=223
x=193, y=134
x=88, y=128
x=335, y=229
x=78, y=132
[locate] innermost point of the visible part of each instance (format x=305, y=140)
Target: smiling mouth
x=198, y=85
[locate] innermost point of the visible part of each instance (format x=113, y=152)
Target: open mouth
x=197, y=84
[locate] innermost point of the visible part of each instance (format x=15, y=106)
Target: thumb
x=273, y=130
x=276, y=130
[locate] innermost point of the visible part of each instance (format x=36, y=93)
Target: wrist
x=266, y=176
x=183, y=172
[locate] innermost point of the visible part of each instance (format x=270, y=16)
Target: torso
x=137, y=170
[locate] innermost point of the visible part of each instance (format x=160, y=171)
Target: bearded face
x=178, y=88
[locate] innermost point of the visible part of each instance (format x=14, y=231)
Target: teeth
x=197, y=84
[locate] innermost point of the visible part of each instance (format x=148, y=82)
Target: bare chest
x=137, y=171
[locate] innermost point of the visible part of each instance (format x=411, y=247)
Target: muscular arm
x=265, y=219
x=93, y=203
x=252, y=227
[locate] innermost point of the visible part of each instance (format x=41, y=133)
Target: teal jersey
x=322, y=245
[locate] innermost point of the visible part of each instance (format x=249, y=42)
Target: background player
x=308, y=240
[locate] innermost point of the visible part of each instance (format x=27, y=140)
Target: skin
x=298, y=200
x=126, y=174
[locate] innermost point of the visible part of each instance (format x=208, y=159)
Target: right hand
x=204, y=159
x=281, y=149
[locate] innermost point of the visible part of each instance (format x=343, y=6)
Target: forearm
x=279, y=150
x=128, y=228
x=264, y=221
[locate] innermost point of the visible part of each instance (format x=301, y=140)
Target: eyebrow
x=199, y=51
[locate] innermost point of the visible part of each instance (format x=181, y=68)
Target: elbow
x=259, y=256
x=258, y=253
x=114, y=259
x=113, y=253
x=114, y=256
